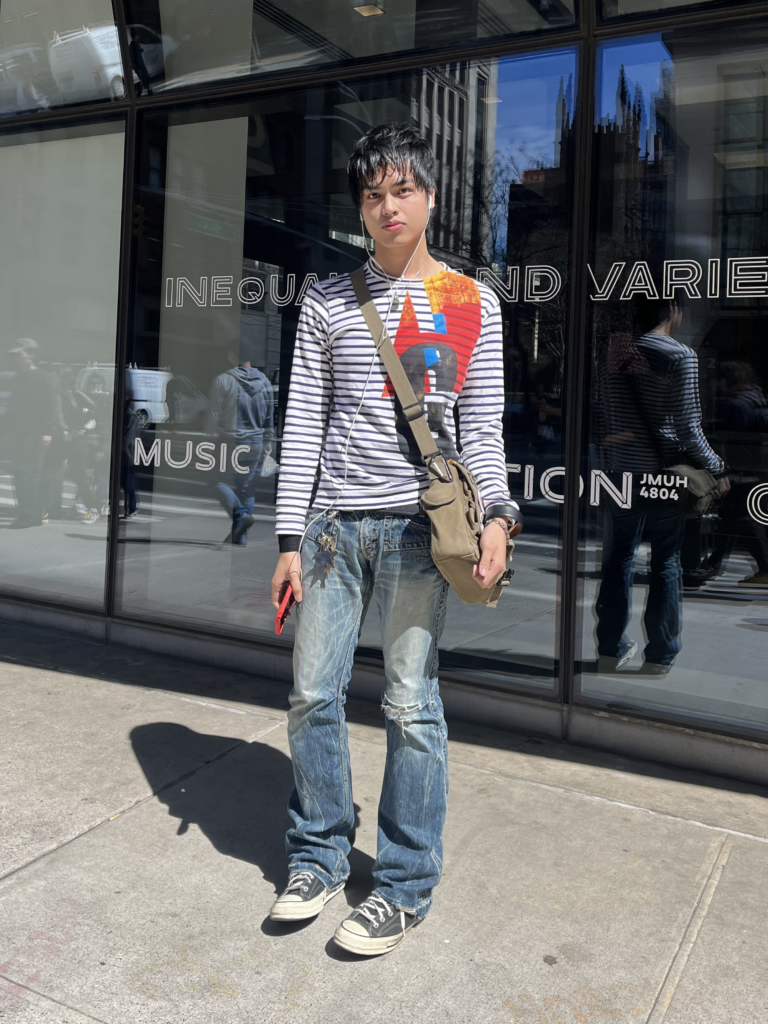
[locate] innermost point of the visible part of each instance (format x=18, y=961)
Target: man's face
x=395, y=211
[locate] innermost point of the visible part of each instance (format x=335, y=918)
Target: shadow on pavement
x=60, y=651
x=239, y=803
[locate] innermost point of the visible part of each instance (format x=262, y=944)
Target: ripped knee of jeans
x=402, y=714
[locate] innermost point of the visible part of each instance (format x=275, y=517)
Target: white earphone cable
x=345, y=455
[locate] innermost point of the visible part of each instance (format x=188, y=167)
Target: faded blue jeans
x=387, y=558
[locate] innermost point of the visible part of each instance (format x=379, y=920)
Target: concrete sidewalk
x=143, y=810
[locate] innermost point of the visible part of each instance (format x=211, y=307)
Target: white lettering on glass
x=600, y=482
x=755, y=504
x=604, y=293
x=536, y=287
x=184, y=287
x=640, y=282
x=748, y=277
x=309, y=280
x=184, y=462
x=713, y=279
x=528, y=485
x=236, y=458
x=508, y=290
x=142, y=457
x=252, y=295
x=547, y=491
x=684, y=274
x=202, y=451
x=274, y=289
x=221, y=291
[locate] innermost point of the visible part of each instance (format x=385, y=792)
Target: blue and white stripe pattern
x=653, y=412
x=364, y=463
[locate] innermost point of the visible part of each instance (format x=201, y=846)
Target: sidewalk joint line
x=674, y=972
x=135, y=804
x=210, y=704
x=117, y=814
x=51, y=999
x=614, y=803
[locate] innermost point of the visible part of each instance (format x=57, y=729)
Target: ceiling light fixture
x=368, y=10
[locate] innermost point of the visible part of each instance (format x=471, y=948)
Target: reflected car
x=148, y=391
x=86, y=65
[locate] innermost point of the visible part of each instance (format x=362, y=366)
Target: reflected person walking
x=653, y=420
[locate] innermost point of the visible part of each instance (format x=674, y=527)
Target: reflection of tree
x=509, y=167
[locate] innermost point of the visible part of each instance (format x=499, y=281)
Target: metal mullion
x=88, y=112
x=121, y=348
x=118, y=14
x=640, y=24
x=575, y=351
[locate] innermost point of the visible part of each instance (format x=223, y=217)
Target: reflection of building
x=539, y=202
x=455, y=107
x=636, y=167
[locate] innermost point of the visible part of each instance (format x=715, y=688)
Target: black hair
x=390, y=146
x=649, y=313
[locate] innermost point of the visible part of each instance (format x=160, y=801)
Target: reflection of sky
x=642, y=60
x=528, y=89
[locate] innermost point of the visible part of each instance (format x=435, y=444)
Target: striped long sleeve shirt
x=343, y=417
x=652, y=409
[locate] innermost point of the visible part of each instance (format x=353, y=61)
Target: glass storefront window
x=675, y=598
x=176, y=43
x=238, y=211
x=619, y=8
x=60, y=216
x=57, y=52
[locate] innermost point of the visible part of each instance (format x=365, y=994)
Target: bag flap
x=438, y=495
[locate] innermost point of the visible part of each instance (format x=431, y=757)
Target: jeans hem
x=328, y=881
x=419, y=908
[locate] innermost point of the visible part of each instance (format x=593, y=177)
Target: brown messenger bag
x=451, y=501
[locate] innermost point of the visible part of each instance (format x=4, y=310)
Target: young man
x=367, y=538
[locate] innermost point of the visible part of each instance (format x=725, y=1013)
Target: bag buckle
x=440, y=469
x=412, y=411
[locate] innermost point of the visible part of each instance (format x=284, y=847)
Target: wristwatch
x=507, y=509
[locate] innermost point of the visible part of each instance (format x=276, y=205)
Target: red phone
x=287, y=602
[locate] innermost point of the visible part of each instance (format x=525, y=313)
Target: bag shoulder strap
x=412, y=409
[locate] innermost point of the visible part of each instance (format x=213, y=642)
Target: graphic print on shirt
x=436, y=362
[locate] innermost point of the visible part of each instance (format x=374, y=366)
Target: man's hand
x=288, y=571
x=723, y=486
x=493, y=547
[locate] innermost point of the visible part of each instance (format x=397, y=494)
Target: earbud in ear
x=431, y=202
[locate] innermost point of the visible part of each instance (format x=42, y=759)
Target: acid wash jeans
x=386, y=557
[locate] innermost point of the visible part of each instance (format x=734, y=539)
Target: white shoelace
x=301, y=880
x=374, y=909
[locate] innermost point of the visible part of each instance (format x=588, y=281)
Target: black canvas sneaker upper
x=376, y=919
x=303, y=897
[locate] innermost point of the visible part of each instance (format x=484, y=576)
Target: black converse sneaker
x=303, y=897
x=373, y=927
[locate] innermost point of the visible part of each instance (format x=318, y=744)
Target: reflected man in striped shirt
x=653, y=420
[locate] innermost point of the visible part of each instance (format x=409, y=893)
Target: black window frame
x=590, y=30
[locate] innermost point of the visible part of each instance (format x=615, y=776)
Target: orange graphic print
x=445, y=352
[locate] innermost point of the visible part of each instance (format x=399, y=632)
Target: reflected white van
x=85, y=64
x=146, y=395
